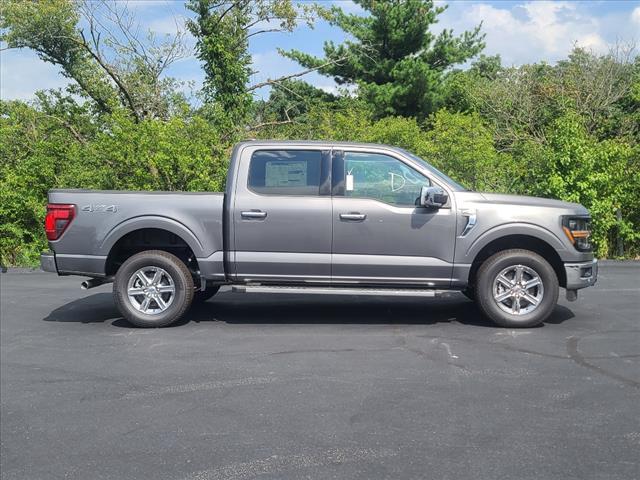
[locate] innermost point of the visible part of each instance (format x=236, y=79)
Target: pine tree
x=395, y=60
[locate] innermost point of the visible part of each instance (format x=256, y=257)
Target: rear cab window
x=285, y=172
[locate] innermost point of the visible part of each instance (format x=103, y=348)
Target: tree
x=522, y=102
x=222, y=30
x=569, y=130
x=601, y=175
x=395, y=60
x=593, y=86
x=291, y=100
x=460, y=84
x=462, y=146
x=54, y=143
x=96, y=44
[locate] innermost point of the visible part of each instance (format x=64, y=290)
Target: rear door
x=380, y=233
x=282, y=215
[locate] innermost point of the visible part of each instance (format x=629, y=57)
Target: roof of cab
x=316, y=143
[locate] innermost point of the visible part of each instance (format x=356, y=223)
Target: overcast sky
x=521, y=32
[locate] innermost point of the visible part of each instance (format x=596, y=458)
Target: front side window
x=285, y=172
x=383, y=178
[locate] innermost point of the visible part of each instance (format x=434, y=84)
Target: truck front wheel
x=153, y=289
x=516, y=288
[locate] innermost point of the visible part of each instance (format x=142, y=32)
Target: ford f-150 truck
x=322, y=217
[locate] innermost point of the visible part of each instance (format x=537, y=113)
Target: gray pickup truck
x=323, y=217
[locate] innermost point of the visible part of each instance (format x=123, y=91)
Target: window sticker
x=285, y=174
x=349, y=182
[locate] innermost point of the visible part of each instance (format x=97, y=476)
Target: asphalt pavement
x=293, y=387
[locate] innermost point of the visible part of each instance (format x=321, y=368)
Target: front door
x=282, y=216
x=380, y=234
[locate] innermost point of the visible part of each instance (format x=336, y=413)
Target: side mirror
x=433, y=197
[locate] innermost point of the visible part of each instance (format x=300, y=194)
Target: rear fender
x=152, y=221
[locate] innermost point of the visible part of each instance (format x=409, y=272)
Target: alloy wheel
x=151, y=290
x=518, y=290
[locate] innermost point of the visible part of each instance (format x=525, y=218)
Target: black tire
x=487, y=275
x=201, y=296
x=158, y=260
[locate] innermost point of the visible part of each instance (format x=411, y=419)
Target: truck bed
x=103, y=217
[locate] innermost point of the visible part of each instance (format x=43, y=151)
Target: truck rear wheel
x=516, y=288
x=153, y=289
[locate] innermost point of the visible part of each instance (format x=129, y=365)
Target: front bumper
x=581, y=275
x=48, y=262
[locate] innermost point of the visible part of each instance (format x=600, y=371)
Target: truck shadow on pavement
x=235, y=308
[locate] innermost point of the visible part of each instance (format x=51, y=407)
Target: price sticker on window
x=349, y=183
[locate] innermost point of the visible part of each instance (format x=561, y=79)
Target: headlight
x=578, y=231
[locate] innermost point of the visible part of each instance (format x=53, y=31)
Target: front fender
x=468, y=249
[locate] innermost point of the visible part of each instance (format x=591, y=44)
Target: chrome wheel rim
x=151, y=290
x=518, y=290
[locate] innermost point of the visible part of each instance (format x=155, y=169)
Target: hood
x=502, y=199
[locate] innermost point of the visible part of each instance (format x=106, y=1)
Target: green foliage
x=521, y=103
x=49, y=28
x=569, y=131
x=39, y=152
x=292, y=99
x=602, y=175
x=572, y=131
x=528, y=130
x=460, y=85
x=456, y=143
x=224, y=56
x=463, y=147
x=95, y=45
x=222, y=31
x=397, y=63
x=180, y=154
x=34, y=149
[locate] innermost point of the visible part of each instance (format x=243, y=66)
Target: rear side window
x=285, y=172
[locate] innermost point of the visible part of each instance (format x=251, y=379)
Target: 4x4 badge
x=100, y=208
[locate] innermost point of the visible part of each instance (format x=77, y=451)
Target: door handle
x=353, y=216
x=253, y=214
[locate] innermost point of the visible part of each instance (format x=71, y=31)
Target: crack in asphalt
x=505, y=346
x=572, y=354
x=577, y=357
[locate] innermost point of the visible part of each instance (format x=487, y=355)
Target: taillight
x=58, y=218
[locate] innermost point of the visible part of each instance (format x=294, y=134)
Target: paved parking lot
x=290, y=387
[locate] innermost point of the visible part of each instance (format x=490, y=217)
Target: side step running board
x=393, y=292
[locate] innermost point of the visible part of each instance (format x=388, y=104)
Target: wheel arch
x=149, y=234
x=520, y=241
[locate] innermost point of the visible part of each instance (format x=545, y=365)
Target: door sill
x=316, y=290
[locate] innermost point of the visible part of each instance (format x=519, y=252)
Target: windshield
x=445, y=178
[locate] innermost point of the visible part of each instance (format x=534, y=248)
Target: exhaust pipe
x=95, y=282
